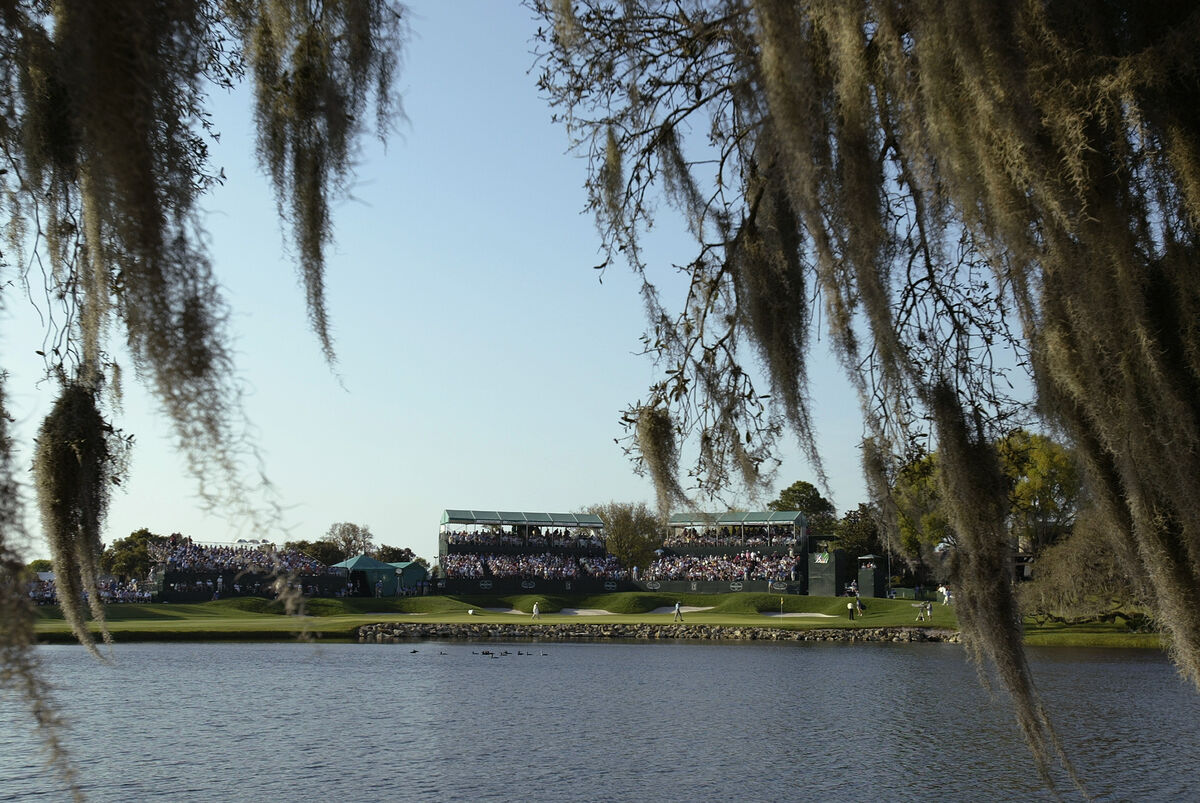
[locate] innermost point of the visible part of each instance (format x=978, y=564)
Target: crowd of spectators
x=469, y=567
x=773, y=535
x=216, y=589
x=484, y=537
x=44, y=592
x=181, y=554
x=605, y=568
x=545, y=566
x=537, y=538
x=747, y=565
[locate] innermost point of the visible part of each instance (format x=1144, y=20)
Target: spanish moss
x=74, y=469
x=105, y=130
x=968, y=193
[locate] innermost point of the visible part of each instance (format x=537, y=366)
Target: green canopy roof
x=514, y=518
x=363, y=563
x=737, y=519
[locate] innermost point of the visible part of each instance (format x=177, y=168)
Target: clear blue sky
x=481, y=363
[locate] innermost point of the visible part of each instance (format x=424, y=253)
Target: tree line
x=130, y=557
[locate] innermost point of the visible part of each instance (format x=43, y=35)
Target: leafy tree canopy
x=351, y=539
x=327, y=552
x=130, y=556
x=858, y=532
x=394, y=554
x=632, y=532
x=1045, y=488
x=804, y=496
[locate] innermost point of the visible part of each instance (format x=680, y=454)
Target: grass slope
x=252, y=618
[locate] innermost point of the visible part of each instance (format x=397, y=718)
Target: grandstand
x=507, y=552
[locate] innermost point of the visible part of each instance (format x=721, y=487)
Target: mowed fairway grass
x=255, y=619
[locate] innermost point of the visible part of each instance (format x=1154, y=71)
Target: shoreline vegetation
x=735, y=616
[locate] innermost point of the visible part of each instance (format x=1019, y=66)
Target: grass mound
x=243, y=604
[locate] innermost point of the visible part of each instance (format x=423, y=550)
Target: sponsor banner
x=504, y=585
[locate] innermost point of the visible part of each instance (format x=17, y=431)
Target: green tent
x=411, y=574
x=380, y=578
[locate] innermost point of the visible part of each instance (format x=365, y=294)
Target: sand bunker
x=396, y=613
x=664, y=610
x=563, y=612
x=684, y=609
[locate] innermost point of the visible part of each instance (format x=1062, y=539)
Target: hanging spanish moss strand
x=981, y=573
x=104, y=136
x=316, y=67
x=975, y=189
x=656, y=440
x=73, y=471
x=105, y=129
x=20, y=668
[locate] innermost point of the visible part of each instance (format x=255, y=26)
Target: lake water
x=591, y=722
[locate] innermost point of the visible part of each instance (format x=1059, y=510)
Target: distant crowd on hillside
x=557, y=538
x=217, y=588
x=45, y=592
x=747, y=565
x=180, y=553
x=778, y=536
x=544, y=566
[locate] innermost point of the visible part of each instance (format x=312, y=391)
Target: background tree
x=858, y=533
x=394, y=554
x=327, y=552
x=961, y=188
x=922, y=523
x=1083, y=577
x=632, y=532
x=130, y=556
x=40, y=565
x=351, y=539
x=804, y=496
x=1045, y=491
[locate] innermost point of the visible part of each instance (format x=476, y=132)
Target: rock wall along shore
x=395, y=632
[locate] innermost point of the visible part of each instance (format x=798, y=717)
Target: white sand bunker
x=684, y=609
x=809, y=615
x=396, y=613
x=563, y=612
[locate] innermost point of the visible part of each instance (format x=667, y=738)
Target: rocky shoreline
x=396, y=632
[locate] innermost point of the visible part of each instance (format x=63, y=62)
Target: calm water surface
x=590, y=722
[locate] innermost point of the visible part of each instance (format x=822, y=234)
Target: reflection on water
x=594, y=722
